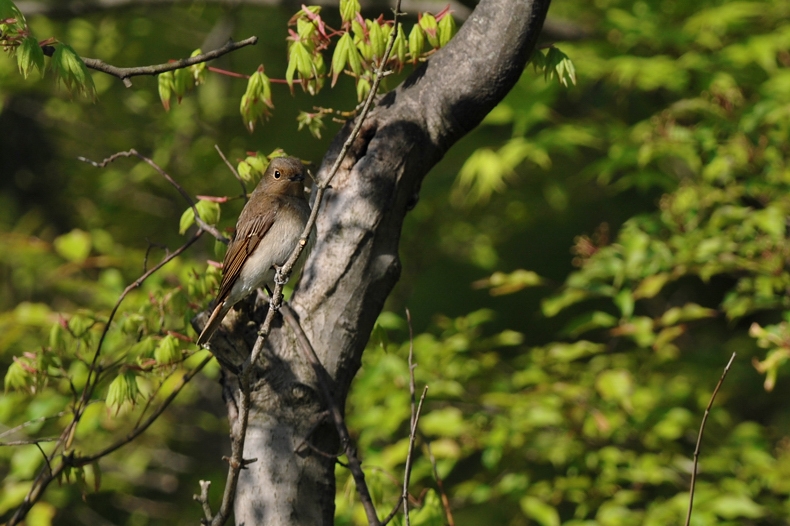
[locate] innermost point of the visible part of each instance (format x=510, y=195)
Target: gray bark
x=355, y=264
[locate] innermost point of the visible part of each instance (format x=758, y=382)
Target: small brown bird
x=267, y=231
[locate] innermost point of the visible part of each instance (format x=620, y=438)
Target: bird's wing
x=243, y=244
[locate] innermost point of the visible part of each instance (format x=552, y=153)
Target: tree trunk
x=355, y=264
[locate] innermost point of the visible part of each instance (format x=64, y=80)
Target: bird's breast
x=273, y=249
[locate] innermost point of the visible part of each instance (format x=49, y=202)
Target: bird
x=269, y=227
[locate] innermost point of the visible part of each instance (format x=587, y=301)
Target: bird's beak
x=297, y=177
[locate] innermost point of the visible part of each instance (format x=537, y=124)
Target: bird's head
x=284, y=176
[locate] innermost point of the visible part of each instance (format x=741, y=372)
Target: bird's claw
x=279, y=278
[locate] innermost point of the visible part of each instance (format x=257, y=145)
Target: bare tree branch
x=233, y=171
x=125, y=74
x=191, y=202
x=205, y=486
x=448, y=513
x=29, y=442
x=699, y=437
x=415, y=418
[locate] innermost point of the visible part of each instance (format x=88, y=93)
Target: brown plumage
x=267, y=231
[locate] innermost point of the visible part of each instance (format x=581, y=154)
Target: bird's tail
x=213, y=322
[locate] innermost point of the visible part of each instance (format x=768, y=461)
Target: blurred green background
x=576, y=284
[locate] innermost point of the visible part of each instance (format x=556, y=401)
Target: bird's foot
x=279, y=278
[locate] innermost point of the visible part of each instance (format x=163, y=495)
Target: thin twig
x=392, y=514
x=699, y=438
x=125, y=74
x=234, y=172
x=205, y=486
x=191, y=202
x=43, y=454
x=445, y=501
x=30, y=423
x=29, y=442
x=407, y=470
x=412, y=387
x=412, y=426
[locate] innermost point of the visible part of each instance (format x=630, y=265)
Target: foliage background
x=576, y=284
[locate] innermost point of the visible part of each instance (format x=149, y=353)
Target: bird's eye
x=277, y=174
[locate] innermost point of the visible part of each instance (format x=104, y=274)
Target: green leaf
x=257, y=99
x=209, y=211
x=122, y=391
x=588, y=322
x=70, y=70
x=290, y=72
x=428, y=24
x=416, y=43
x=143, y=349
x=651, y=285
x=732, y=506
x=306, y=29
x=446, y=422
x=391, y=321
x=378, y=42
x=9, y=10
x=558, y=64
x=96, y=476
x=616, y=385
x=688, y=312
x=186, y=221
x=29, y=55
x=625, y=302
x=349, y=9
x=258, y=163
x=361, y=40
x=314, y=122
x=501, y=283
x=431, y=513
x=552, y=306
x=539, y=511
x=341, y=56
x=363, y=88
x=183, y=81
x=167, y=351
x=165, y=85
x=446, y=29
x=198, y=70
x=569, y=352
x=674, y=424
x=57, y=336
x=538, y=61
x=74, y=246
x=354, y=60
x=400, y=46
x=17, y=377
x=80, y=324
x=299, y=61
